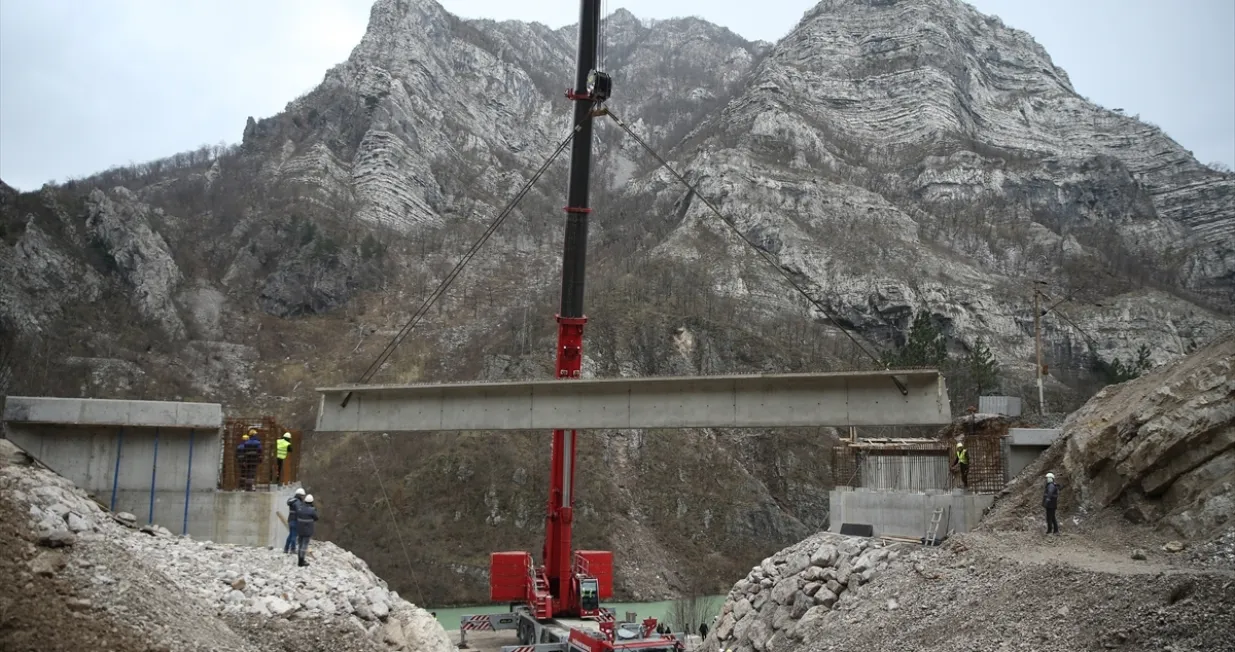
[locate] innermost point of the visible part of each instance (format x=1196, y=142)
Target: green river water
x=449, y=616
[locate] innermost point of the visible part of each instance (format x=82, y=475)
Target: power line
x=767, y=257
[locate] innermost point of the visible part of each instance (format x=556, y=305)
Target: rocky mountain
x=894, y=157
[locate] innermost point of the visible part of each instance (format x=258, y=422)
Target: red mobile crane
x=567, y=586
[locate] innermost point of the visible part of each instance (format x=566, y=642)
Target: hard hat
x=252, y=431
x=244, y=437
x=959, y=444
x=308, y=498
x=300, y=491
x=1050, y=476
x=287, y=435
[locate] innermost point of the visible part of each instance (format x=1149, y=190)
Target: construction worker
x=252, y=457
x=282, y=448
x=293, y=504
x=245, y=467
x=1050, y=501
x=306, y=518
x=962, y=462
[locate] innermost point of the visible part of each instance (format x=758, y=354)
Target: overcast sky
x=86, y=84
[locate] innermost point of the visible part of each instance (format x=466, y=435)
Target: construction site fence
x=243, y=471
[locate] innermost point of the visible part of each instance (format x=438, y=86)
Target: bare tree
x=687, y=613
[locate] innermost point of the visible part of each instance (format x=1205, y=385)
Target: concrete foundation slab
x=755, y=401
x=907, y=514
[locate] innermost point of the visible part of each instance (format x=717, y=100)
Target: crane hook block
x=599, y=86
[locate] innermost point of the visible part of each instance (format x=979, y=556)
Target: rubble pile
x=189, y=594
x=788, y=591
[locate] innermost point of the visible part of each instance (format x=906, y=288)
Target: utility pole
x=1037, y=346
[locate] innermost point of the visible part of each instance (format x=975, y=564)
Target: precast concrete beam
x=107, y=412
x=868, y=398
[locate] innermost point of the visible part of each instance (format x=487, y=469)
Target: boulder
x=782, y=618
x=758, y=634
x=801, y=603
x=824, y=556
x=796, y=564
x=741, y=608
x=760, y=600
x=48, y=563
x=278, y=606
x=57, y=538
x=784, y=590
x=78, y=524
x=807, y=623
x=816, y=574
x=392, y=633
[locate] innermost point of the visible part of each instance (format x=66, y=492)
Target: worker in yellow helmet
x=248, y=457
x=282, y=448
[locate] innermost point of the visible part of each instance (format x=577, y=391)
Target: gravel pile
x=199, y=595
x=780, y=598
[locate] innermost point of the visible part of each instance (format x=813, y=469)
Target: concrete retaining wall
x=906, y=514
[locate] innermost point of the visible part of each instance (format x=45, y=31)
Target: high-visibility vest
x=962, y=456
x=281, y=449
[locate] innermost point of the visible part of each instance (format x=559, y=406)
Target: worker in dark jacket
x=293, y=504
x=1050, y=500
x=306, y=518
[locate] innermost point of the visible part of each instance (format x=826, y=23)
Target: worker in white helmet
x=293, y=504
x=962, y=462
x=306, y=518
x=1050, y=501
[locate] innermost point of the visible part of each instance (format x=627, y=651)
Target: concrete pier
x=158, y=460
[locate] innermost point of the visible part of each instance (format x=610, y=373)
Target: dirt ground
x=1028, y=591
x=35, y=611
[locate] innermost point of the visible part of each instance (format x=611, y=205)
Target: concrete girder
x=868, y=398
x=109, y=412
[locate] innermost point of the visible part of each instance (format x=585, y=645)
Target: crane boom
x=571, y=318
x=568, y=583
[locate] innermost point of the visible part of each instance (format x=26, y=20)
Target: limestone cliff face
x=895, y=157
x=1163, y=444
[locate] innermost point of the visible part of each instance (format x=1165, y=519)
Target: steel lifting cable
x=407, y=558
x=762, y=254
x=420, y=313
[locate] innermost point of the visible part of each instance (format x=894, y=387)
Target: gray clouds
x=89, y=84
